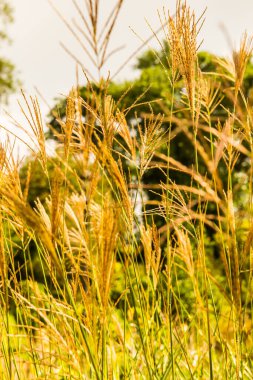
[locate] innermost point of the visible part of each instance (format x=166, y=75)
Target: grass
x=124, y=293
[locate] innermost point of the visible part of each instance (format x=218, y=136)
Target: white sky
x=42, y=63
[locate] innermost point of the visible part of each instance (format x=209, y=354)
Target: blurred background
x=44, y=68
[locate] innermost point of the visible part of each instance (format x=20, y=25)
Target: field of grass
x=132, y=286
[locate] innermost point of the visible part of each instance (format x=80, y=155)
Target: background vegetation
x=8, y=81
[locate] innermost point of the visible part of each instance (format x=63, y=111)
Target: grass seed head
x=183, y=30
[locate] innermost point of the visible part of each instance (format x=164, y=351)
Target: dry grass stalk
x=56, y=201
x=152, y=251
x=70, y=121
x=241, y=59
x=115, y=170
x=56, y=334
x=34, y=119
x=25, y=216
x=207, y=158
x=105, y=229
x=150, y=140
x=106, y=116
x=235, y=67
x=234, y=254
x=202, y=181
x=124, y=131
x=27, y=182
x=146, y=239
x=91, y=33
x=183, y=30
x=3, y=261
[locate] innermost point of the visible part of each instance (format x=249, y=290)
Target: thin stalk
x=169, y=252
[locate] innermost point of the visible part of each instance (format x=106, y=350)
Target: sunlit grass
x=92, y=286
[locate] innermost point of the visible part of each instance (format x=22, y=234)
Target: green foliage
x=8, y=82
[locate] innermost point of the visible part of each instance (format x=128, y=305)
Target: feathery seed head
x=183, y=30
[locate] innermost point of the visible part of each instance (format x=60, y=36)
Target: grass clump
x=109, y=276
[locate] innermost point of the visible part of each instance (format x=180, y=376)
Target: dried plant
x=182, y=33
x=92, y=36
x=235, y=67
x=97, y=279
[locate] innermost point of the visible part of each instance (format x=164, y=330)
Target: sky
x=42, y=63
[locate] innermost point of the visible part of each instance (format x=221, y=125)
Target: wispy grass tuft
x=111, y=275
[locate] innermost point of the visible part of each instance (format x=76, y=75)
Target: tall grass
x=121, y=296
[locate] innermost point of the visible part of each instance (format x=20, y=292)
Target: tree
x=8, y=80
